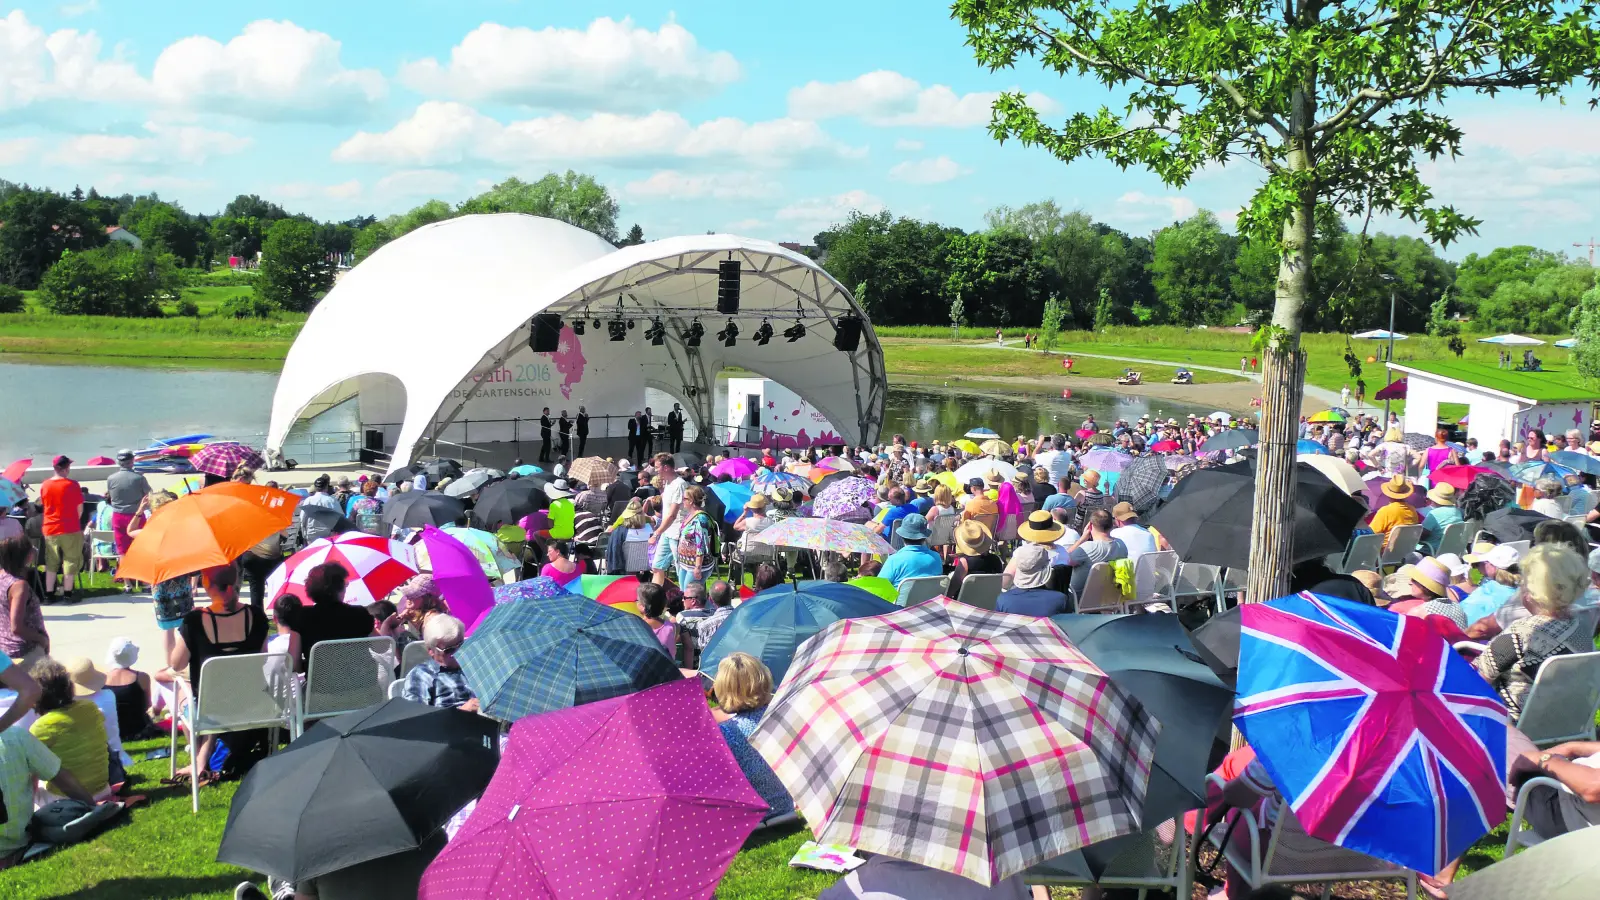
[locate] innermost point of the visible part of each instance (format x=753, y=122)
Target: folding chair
x=982, y=591
x=1100, y=592
x=415, y=654
x=1197, y=580
x=1453, y=539
x=1150, y=861
x=1154, y=577
x=1518, y=838
x=1362, y=553
x=1234, y=582
x=92, y=541
x=1397, y=549
x=942, y=533
x=918, y=590
x=344, y=676
x=1562, y=703
x=396, y=687
x=253, y=690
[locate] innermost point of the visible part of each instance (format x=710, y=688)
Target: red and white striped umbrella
x=376, y=566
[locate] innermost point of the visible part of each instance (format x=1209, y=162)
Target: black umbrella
x=358, y=787
x=1217, y=642
x=438, y=470
x=1234, y=439
x=330, y=520
x=1208, y=515
x=1141, y=482
x=687, y=460
x=403, y=474
x=1513, y=523
x=414, y=509
x=830, y=479
x=506, y=502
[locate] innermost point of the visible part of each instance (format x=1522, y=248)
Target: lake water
x=89, y=410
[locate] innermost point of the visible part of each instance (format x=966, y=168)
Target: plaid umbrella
x=223, y=457
x=825, y=534
x=974, y=742
x=561, y=651
x=593, y=471
x=995, y=448
x=375, y=565
x=1141, y=482
x=844, y=496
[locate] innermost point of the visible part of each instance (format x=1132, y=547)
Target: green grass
x=931, y=359
x=1555, y=384
x=164, y=341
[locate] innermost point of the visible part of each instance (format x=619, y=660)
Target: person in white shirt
x=666, y=535
x=1069, y=536
x=1134, y=536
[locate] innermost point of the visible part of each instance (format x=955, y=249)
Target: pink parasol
x=100, y=461
x=459, y=577
x=16, y=470
x=735, y=467
x=1165, y=447
x=1461, y=476
x=1085, y=433
x=596, y=801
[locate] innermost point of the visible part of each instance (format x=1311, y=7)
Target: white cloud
x=73, y=10
x=1136, y=209
x=164, y=144
x=928, y=171
x=907, y=145
x=66, y=64
x=611, y=65
x=442, y=133
x=418, y=183
x=272, y=70
x=813, y=214
x=670, y=184
x=890, y=98
x=744, y=226
x=15, y=151
x=303, y=190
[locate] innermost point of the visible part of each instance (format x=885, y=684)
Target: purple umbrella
x=1106, y=460
x=1178, y=461
x=1373, y=493
x=843, y=497
x=459, y=577
x=735, y=467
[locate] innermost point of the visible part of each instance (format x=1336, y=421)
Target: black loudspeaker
x=728, y=287
x=847, y=333
x=545, y=336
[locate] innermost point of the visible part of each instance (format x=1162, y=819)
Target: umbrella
x=1380, y=737
x=1329, y=415
x=966, y=446
x=483, y=546
x=981, y=434
x=592, y=586
x=211, y=528
x=773, y=624
x=1372, y=490
x=1577, y=462
x=767, y=481
x=622, y=594
x=636, y=796
x=357, y=787
x=403, y=474
x=1105, y=460
x=978, y=468
x=1310, y=448
x=491, y=472
x=1085, y=433
x=1176, y=461
x=975, y=742
x=1533, y=470
x=844, y=496
x=1220, y=417
x=1567, y=343
x=1417, y=441
x=16, y=470
x=832, y=464
x=1513, y=523
x=459, y=577
x=735, y=467
x=11, y=493
x=1461, y=476
x=1511, y=340
x=1141, y=483
x=414, y=509
x=507, y=502
x=1208, y=516
x=1394, y=390
x=687, y=460
x=733, y=496
x=467, y=483
x=526, y=469
x=1165, y=447
x=556, y=652
x=948, y=479
x=223, y=457
x=540, y=587
x=438, y=470
x=1229, y=440
x=593, y=471
x=1565, y=867
x=1379, y=334
x=995, y=448
x=100, y=461
x=375, y=566
x=825, y=534
x=1342, y=474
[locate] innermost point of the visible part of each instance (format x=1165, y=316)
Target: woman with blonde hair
x=244, y=474
x=1553, y=578
x=1392, y=457
x=743, y=688
x=944, y=502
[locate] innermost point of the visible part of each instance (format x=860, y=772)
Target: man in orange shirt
x=62, y=499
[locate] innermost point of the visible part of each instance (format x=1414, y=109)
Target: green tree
x=251, y=206
x=573, y=197
x=1191, y=268
x=166, y=228
x=1440, y=322
x=958, y=313
x=634, y=237
x=36, y=228
x=1541, y=306
x=11, y=299
x=295, y=271
x=1102, y=311
x=1478, y=277
x=426, y=214
x=1334, y=102
x=1055, y=313
x=905, y=260
x=1079, y=257
x=997, y=276
x=114, y=280
x=238, y=236
x=1586, y=355
x=369, y=239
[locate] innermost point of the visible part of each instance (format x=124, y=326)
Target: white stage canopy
x=440, y=320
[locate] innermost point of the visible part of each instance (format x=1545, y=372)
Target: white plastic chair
x=94, y=540
x=1293, y=857
x=1520, y=546
x=252, y=690
x=1562, y=703
x=1401, y=543
x=1234, y=582
x=1157, y=861
x=1362, y=553
x=415, y=654
x=396, y=687
x=918, y=590
x=344, y=676
x=1100, y=591
x=982, y=591
x=1154, y=576
x=1518, y=838
x=1196, y=580
x=1453, y=539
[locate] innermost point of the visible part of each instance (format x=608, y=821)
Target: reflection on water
x=87, y=410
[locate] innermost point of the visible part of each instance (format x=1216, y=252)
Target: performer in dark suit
x=544, y=435
x=583, y=429
x=675, y=428
x=648, y=432
x=565, y=429
x=634, y=441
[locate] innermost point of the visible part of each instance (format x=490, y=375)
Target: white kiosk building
x=1502, y=404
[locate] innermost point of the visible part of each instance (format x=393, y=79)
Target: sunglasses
x=450, y=650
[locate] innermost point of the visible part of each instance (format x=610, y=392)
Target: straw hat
x=756, y=501
x=923, y=487
x=1091, y=480
x=973, y=539
x=1040, y=528
x=1396, y=488
x=1442, y=494
x=86, y=679
x=993, y=478
x=1429, y=573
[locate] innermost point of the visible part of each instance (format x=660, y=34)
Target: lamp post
x=1389, y=358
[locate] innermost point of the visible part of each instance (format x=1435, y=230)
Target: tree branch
x=1250, y=112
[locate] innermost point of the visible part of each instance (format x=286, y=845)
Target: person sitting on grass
x=72, y=728
x=743, y=688
x=439, y=681
x=25, y=761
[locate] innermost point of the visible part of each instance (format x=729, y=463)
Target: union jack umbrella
x=223, y=457
x=1378, y=735
x=376, y=566
x=971, y=741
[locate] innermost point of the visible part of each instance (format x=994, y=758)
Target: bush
x=11, y=299
x=246, y=306
x=187, y=308
x=114, y=280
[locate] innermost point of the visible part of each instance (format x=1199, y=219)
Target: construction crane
x=1591, y=246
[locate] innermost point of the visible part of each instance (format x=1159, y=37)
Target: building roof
x=1557, y=384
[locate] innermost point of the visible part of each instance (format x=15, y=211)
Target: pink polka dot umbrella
x=376, y=566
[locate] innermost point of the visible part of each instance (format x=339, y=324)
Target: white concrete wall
x=786, y=420
x=1556, y=418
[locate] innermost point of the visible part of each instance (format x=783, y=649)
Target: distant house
x=118, y=233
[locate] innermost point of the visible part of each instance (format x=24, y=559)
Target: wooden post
x=1272, y=532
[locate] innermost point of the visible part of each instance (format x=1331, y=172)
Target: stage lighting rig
x=764, y=333
x=656, y=333
x=729, y=335
x=795, y=332
x=617, y=329
x=691, y=338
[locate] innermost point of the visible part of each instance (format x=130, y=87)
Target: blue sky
x=755, y=118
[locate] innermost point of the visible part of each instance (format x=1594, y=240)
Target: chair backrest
x=415, y=654
x=1100, y=591
x=1292, y=852
x=1008, y=531
x=252, y=690
x=1402, y=542
x=942, y=530
x=917, y=590
x=97, y=538
x=398, y=686
x=982, y=591
x=755, y=552
x=346, y=675
x=1153, y=576
x=1363, y=553
x=1580, y=519
x=1562, y=703
x=635, y=556
x=1453, y=539
x=1520, y=546
x=990, y=521
x=1196, y=580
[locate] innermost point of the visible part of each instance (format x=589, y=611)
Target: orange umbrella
x=212, y=527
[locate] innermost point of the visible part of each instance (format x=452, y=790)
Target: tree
x=574, y=198
x=36, y=228
x=1478, y=277
x=634, y=238
x=1191, y=268
x=11, y=299
x=165, y=228
x=295, y=271
x=1055, y=312
x=369, y=239
x=251, y=206
x=77, y=194
x=1541, y=306
x=238, y=236
x=958, y=313
x=114, y=280
x=997, y=276
x=1457, y=346
x=906, y=261
x=1334, y=102
x=1586, y=355
x=1440, y=322
x=1102, y=311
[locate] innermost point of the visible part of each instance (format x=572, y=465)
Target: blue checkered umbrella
x=566, y=650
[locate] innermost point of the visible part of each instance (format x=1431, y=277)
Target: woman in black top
x=974, y=555
x=222, y=629
x=327, y=617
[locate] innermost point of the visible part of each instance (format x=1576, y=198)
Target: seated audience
x=327, y=617
x=914, y=559
x=71, y=727
x=439, y=681
x=24, y=762
x=974, y=555
x=743, y=688
x=1095, y=545
x=1553, y=577
x=1030, y=594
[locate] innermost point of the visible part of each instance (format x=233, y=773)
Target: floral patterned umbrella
x=844, y=496
x=540, y=588
x=826, y=534
x=1106, y=460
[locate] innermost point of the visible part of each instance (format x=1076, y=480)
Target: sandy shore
x=1231, y=397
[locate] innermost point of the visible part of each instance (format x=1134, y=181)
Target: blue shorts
x=664, y=556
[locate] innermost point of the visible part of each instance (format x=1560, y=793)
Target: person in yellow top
x=1396, y=512
x=71, y=727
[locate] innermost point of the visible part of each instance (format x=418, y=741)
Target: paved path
x=86, y=628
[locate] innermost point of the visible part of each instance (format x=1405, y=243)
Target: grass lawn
x=256, y=343
x=925, y=358
x=1555, y=384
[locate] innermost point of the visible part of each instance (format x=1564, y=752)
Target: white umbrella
x=1512, y=340
x=980, y=467
x=1220, y=416
x=1342, y=474
x=1379, y=334
x=1567, y=343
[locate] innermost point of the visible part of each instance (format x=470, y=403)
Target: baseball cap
x=1501, y=556
x=60, y=461
x=124, y=454
x=1123, y=510
x=1455, y=564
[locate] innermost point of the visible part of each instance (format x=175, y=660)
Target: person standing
x=564, y=427
x=647, y=433
x=665, y=538
x=544, y=435
x=62, y=499
x=634, y=441
x=583, y=429
x=124, y=489
x=675, y=428
x=1344, y=396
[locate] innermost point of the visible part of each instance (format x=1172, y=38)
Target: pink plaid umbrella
x=223, y=457
x=736, y=467
x=596, y=801
x=459, y=577
x=376, y=566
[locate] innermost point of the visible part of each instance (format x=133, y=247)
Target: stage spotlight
x=729, y=335
x=656, y=333
x=578, y=326
x=617, y=329
x=795, y=332
x=691, y=338
x=764, y=333
x=597, y=323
